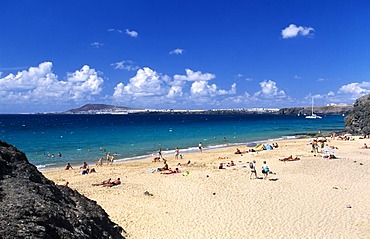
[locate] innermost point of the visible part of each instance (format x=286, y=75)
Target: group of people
x=85, y=169
x=253, y=169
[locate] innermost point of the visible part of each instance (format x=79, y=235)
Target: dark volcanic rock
x=322, y=110
x=358, y=121
x=34, y=207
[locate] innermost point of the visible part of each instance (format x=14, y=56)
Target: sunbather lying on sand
x=290, y=158
x=172, y=171
x=102, y=182
x=114, y=183
x=183, y=164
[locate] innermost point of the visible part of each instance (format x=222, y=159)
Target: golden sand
x=309, y=198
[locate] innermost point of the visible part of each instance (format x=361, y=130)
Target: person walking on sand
x=265, y=169
x=252, y=166
x=108, y=158
x=200, y=147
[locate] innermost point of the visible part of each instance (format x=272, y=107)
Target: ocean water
x=82, y=138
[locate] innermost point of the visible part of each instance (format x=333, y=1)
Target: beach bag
x=265, y=170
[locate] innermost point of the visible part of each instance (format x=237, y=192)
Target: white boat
x=313, y=115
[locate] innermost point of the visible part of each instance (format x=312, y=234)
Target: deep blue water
x=135, y=135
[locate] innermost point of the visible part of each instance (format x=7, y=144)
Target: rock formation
x=322, y=110
x=34, y=207
x=358, y=121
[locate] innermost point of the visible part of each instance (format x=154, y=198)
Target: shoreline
x=170, y=153
x=303, y=199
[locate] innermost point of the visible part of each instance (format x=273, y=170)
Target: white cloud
x=202, y=88
x=175, y=91
x=194, y=76
x=177, y=51
x=293, y=31
x=355, y=89
x=127, y=65
x=40, y=85
x=131, y=33
x=330, y=93
x=145, y=83
x=97, y=44
x=270, y=90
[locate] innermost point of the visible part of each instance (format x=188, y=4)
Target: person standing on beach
x=177, y=152
x=108, y=158
x=160, y=153
x=252, y=166
x=265, y=169
x=200, y=147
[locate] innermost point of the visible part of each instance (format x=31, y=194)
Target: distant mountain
x=99, y=108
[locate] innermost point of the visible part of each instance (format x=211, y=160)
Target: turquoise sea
x=85, y=137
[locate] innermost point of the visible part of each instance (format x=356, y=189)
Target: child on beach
x=265, y=169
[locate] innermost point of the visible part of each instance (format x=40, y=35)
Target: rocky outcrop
x=322, y=110
x=34, y=207
x=358, y=121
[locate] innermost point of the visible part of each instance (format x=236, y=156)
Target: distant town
x=119, y=110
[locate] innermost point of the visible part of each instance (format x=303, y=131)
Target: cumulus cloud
x=194, y=76
x=97, y=44
x=177, y=51
x=293, y=31
x=145, y=83
x=270, y=90
x=355, y=89
x=39, y=84
x=131, y=33
x=149, y=87
x=127, y=65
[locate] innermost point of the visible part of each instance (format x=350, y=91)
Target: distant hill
x=322, y=110
x=99, y=108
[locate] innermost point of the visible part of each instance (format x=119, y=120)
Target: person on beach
x=156, y=159
x=200, y=147
x=165, y=167
x=160, y=153
x=68, y=166
x=221, y=166
x=177, y=170
x=184, y=164
x=84, y=166
x=315, y=147
x=107, y=158
x=100, y=162
x=252, y=166
x=114, y=183
x=365, y=146
x=177, y=152
x=265, y=169
x=238, y=151
x=102, y=182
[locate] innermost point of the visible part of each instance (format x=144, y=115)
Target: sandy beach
x=309, y=198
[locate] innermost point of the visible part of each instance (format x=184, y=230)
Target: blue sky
x=58, y=55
